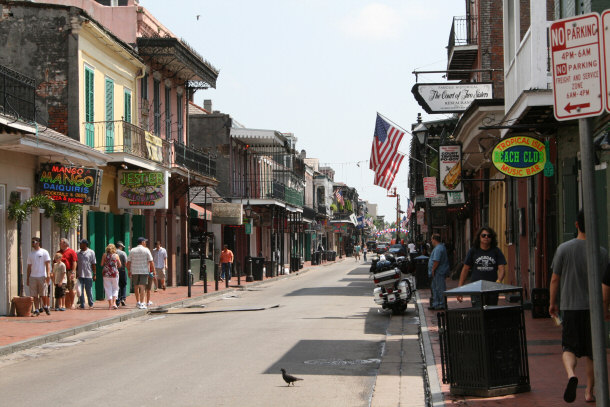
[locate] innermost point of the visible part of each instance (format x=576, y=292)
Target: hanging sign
x=227, y=213
x=142, y=189
x=450, y=97
x=439, y=200
x=454, y=198
x=429, y=187
x=450, y=165
x=76, y=185
x=519, y=156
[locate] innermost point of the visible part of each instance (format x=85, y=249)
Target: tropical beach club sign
x=76, y=185
x=519, y=156
x=142, y=189
x=450, y=97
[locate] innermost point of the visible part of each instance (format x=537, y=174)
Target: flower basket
x=22, y=306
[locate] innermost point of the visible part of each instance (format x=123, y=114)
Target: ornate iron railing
x=195, y=160
x=17, y=95
x=464, y=31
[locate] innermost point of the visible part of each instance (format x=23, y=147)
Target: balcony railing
x=464, y=31
x=119, y=136
x=17, y=95
x=268, y=189
x=195, y=160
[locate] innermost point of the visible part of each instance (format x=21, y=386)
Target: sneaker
x=47, y=311
x=40, y=310
x=122, y=303
x=35, y=313
x=81, y=307
x=114, y=307
x=143, y=306
x=61, y=309
x=150, y=303
x=138, y=304
x=56, y=308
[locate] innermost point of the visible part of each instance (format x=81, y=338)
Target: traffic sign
x=577, y=67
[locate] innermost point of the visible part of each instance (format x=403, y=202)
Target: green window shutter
x=89, y=113
x=109, y=115
x=127, y=113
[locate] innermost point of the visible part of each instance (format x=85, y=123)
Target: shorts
x=38, y=286
x=60, y=291
x=160, y=273
x=71, y=282
x=139, y=279
x=576, y=333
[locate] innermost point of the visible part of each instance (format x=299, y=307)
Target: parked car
x=371, y=245
x=398, y=250
x=381, y=248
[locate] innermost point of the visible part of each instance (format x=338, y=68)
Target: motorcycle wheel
x=399, y=309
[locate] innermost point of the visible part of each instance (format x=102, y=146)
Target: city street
x=320, y=326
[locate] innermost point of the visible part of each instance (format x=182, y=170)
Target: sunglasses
x=34, y=241
x=485, y=235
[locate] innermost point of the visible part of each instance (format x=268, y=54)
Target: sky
x=320, y=69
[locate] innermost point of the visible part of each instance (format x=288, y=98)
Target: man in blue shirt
x=438, y=269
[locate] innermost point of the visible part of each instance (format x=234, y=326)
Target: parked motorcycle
x=392, y=291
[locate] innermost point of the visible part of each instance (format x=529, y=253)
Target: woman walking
x=110, y=272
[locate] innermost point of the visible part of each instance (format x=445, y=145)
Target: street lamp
x=421, y=133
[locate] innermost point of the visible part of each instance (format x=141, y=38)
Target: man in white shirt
x=139, y=266
x=39, y=276
x=160, y=259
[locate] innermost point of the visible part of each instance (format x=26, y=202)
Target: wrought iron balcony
x=463, y=46
x=17, y=95
x=119, y=136
x=322, y=209
x=195, y=160
x=265, y=188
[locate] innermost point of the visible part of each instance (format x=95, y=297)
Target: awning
x=202, y=213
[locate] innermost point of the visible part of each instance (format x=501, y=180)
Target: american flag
x=339, y=197
x=385, y=158
x=409, y=209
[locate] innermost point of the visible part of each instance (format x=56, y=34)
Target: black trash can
x=257, y=268
x=294, y=263
x=421, y=272
x=484, y=348
x=270, y=268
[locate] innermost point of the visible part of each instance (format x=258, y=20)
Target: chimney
x=207, y=105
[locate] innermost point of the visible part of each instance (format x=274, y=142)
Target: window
x=179, y=114
x=127, y=106
x=89, y=127
x=144, y=87
x=168, y=113
x=157, y=107
x=109, y=113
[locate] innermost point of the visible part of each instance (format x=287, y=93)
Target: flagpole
x=396, y=125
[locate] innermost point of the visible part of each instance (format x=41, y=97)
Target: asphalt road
x=325, y=329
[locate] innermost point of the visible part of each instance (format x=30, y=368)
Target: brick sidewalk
x=547, y=376
x=17, y=333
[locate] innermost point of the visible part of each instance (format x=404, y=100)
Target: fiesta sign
x=519, y=156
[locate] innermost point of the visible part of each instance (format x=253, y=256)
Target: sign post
x=579, y=93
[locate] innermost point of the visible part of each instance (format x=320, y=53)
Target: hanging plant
x=333, y=207
x=67, y=216
x=348, y=205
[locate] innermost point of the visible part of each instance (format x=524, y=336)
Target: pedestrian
x=226, y=262
x=160, y=259
x=357, y=252
x=122, y=274
x=60, y=281
x=364, y=250
x=39, y=277
x=438, y=269
x=487, y=263
x=569, y=284
x=110, y=272
x=139, y=265
x=86, y=272
x=70, y=259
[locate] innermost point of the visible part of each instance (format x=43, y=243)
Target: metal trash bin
x=422, y=279
x=484, y=349
x=270, y=268
x=257, y=268
x=294, y=263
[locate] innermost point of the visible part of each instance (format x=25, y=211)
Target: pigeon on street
x=289, y=378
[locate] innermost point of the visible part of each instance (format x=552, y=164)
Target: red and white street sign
x=429, y=187
x=577, y=67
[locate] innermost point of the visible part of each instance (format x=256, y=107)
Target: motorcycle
x=392, y=291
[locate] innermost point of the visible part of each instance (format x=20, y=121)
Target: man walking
x=122, y=274
x=86, y=270
x=39, y=276
x=438, y=269
x=160, y=259
x=70, y=259
x=226, y=261
x=139, y=265
x=570, y=283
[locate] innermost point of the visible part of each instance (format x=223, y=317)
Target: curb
x=56, y=336
x=434, y=394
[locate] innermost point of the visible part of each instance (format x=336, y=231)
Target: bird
x=289, y=378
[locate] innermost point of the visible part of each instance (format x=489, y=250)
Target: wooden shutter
x=109, y=115
x=89, y=112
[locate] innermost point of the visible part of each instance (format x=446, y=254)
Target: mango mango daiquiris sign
x=519, y=156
